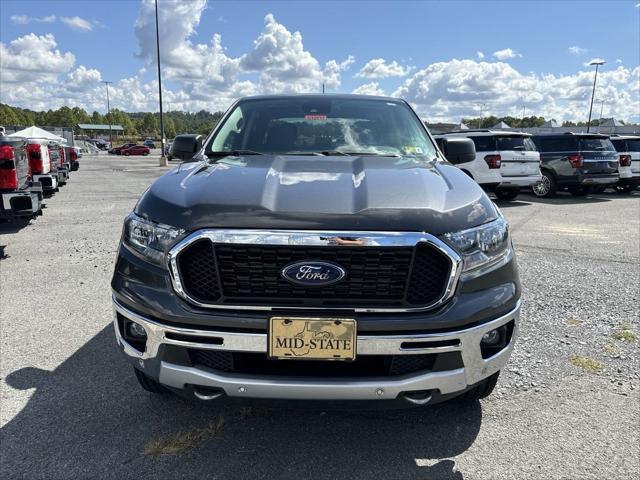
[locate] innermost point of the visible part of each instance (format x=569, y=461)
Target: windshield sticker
x=410, y=150
x=315, y=117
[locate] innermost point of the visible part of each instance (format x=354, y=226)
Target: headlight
x=149, y=239
x=482, y=245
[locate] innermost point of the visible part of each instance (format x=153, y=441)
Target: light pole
x=163, y=158
x=601, y=109
x=106, y=84
x=597, y=62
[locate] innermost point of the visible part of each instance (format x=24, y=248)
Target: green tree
x=8, y=115
x=149, y=125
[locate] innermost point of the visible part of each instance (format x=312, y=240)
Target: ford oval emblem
x=313, y=273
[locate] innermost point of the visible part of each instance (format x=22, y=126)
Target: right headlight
x=148, y=239
x=482, y=245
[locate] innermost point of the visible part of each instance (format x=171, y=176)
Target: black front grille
x=376, y=276
x=362, y=366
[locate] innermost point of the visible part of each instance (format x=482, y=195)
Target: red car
x=118, y=150
x=135, y=150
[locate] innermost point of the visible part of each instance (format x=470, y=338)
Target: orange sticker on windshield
x=315, y=117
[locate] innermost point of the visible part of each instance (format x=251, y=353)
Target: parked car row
x=579, y=163
x=31, y=168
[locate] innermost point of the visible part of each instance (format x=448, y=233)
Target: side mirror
x=187, y=146
x=457, y=149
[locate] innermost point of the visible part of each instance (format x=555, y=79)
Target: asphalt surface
x=566, y=407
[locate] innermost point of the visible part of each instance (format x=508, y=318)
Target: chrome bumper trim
x=466, y=341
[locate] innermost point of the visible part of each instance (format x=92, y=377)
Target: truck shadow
x=88, y=418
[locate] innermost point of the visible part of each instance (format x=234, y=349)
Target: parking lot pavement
x=566, y=407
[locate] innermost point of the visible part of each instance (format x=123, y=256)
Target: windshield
x=516, y=143
x=595, y=144
x=329, y=126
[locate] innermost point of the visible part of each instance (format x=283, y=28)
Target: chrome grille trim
x=314, y=238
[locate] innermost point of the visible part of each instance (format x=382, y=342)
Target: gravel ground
x=567, y=407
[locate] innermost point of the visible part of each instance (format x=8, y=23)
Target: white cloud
x=25, y=19
x=576, y=50
x=283, y=63
x=332, y=70
x=453, y=89
x=618, y=60
x=77, y=23
x=83, y=78
x=372, y=88
x=33, y=58
x=480, y=55
x=379, y=68
x=506, y=53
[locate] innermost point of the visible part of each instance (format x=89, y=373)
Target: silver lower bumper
x=466, y=341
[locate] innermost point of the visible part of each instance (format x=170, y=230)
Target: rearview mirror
x=457, y=149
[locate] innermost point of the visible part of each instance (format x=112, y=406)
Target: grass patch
x=611, y=349
x=625, y=336
x=183, y=441
x=574, y=322
x=588, y=364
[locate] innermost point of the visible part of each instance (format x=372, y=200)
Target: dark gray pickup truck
x=320, y=247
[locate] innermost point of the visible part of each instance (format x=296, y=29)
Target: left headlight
x=149, y=239
x=482, y=245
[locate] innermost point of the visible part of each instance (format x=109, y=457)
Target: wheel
x=149, y=384
x=126, y=154
x=579, y=191
x=507, y=194
x=624, y=188
x=546, y=187
x=481, y=390
x=145, y=153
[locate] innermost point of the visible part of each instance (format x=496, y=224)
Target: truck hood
x=317, y=193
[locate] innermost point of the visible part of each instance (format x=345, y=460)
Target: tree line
x=135, y=124
x=522, y=122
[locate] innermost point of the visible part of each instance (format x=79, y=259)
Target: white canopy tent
x=36, y=132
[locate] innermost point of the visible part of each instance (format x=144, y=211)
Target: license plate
x=312, y=338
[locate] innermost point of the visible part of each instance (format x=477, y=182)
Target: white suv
x=505, y=161
x=628, y=147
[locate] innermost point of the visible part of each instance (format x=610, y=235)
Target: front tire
x=546, y=187
x=149, y=384
x=507, y=194
x=126, y=154
x=481, y=390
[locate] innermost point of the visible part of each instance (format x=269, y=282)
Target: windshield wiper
x=233, y=153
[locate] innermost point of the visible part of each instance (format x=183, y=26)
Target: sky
x=449, y=59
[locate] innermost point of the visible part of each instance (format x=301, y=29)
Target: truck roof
x=316, y=96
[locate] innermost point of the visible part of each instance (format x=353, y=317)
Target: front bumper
x=466, y=341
